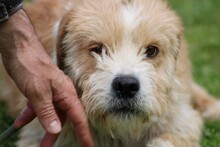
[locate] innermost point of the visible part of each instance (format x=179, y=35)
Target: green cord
x=8, y=133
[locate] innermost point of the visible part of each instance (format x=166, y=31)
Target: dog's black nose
x=125, y=87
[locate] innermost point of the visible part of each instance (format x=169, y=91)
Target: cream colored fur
x=125, y=28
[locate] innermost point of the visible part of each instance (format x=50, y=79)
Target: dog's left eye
x=97, y=49
x=151, y=51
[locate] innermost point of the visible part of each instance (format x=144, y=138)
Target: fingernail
x=54, y=127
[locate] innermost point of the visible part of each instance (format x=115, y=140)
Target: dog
x=129, y=63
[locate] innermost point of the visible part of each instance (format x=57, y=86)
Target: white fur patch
x=131, y=16
x=160, y=143
x=68, y=6
x=54, y=36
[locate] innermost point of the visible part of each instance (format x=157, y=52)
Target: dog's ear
x=60, y=44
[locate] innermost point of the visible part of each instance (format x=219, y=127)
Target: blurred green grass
x=202, y=30
x=5, y=122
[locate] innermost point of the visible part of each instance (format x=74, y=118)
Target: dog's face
x=121, y=56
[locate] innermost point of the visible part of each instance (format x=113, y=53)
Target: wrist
x=8, y=7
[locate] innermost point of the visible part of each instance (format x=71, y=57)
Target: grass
x=201, y=21
x=5, y=122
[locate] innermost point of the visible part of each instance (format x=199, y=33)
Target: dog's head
x=121, y=56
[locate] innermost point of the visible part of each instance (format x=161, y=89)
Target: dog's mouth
x=124, y=108
x=125, y=111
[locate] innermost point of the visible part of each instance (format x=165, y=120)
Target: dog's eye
x=151, y=51
x=97, y=49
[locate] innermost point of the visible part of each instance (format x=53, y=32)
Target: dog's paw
x=159, y=143
x=212, y=111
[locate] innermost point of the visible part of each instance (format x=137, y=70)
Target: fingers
x=81, y=124
x=42, y=103
x=25, y=117
x=48, y=117
x=68, y=101
x=49, y=140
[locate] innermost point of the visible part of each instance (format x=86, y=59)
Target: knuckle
x=46, y=112
x=38, y=89
x=64, y=103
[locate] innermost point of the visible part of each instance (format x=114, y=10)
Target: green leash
x=8, y=133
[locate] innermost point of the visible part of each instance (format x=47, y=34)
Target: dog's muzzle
x=124, y=90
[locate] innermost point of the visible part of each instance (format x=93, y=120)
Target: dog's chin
x=120, y=117
x=126, y=120
x=124, y=108
x=125, y=112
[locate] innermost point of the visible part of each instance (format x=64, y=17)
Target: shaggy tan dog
x=129, y=63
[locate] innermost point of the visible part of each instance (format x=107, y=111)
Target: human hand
x=50, y=93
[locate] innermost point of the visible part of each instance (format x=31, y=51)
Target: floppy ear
x=60, y=45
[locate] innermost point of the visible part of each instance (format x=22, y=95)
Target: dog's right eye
x=151, y=51
x=96, y=49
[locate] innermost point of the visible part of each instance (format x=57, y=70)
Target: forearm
x=17, y=36
x=20, y=46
